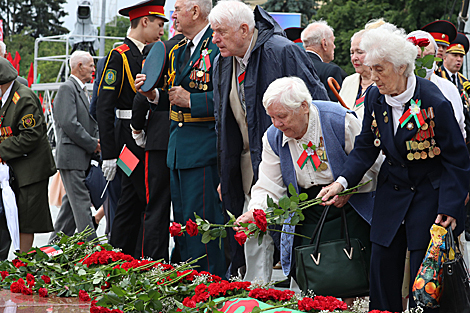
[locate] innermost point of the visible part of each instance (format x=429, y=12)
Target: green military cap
x=7, y=72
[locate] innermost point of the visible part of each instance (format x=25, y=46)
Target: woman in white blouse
x=329, y=130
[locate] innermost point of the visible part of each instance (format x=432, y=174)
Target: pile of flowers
x=114, y=282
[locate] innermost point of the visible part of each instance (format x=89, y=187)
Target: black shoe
x=95, y=224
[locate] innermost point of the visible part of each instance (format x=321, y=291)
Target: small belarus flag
x=127, y=161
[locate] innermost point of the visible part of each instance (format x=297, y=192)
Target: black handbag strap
x=319, y=228
x=451, y=242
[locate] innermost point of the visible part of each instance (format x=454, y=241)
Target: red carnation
x=42, y=292
x=27, y=291
x=260, y=219
x=191, y=228
x=175, y=229
x=83, y=295
x=240, y=237
x=46, y=279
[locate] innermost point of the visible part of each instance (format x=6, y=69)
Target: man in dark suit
x=153, y=135
x=77, y=140
x=117, y=91
x=319, y=41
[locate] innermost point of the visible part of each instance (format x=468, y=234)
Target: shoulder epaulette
x=16, y=97
x=122, y=48
x=463, y=76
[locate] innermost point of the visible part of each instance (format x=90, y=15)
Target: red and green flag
x=127, y=161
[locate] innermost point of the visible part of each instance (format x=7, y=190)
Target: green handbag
x=335, y=268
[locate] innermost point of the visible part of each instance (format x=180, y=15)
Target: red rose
x=16, y=287
x=46, y=279
x=191, y=228
x=260, y=219
x=27, y=291
x=422, y=42
x=29, y=277
x=175, y=229
x=80, y=243
x=116, y=311
x=42, y=292
x=240, y=237
x=83, y=295
x=17, y=263
x=188, y=302
x=4, y=274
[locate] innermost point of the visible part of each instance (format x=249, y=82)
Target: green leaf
x=230, y=214
x=206, y=237
x=303, y=196
x=133, y=279
x=270, y=201
x=293, y=206
x=295, y=219
x=295, y=199
x=252, y=227
x=301, y=216
x=215, y=232
x=260, y=238
x=139, y=305
x=143, y=297
x=118, y=291
x=154, y=294
x=113, y=298
x=223, y=233
x=284, y=202
x=421, y=73
x=256, y=309
x=81, y=272
x=205, y=227
x=278, y=212
x=292, y=190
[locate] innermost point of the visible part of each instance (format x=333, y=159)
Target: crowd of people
x=237, y=105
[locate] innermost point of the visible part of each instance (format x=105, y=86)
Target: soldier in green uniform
x=24, y=146
x=114, y=112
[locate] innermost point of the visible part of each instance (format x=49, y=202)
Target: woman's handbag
x=455, y=297
x=335, y=268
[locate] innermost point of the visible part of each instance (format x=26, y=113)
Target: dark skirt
x=357, y=226
x=34, y=214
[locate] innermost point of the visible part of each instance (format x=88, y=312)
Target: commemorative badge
x=28, y=121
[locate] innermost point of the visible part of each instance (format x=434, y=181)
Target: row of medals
x=5, y=132
x=422, y=149
x=199, y=79
x=322, y=156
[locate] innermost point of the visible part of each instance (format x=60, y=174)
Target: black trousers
x=126, y=232
x=386, y=274
x=156, y=236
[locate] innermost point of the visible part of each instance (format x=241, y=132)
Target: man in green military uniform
x=24, y=146
x=192, y=156
x=115, y=98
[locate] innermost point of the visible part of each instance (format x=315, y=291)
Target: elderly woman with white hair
x=299, y=122
x=425, y=176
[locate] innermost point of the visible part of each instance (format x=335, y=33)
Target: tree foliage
x=42, y=17
x=306, y=7
x=350, y=16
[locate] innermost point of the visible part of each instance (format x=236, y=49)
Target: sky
x=71, y=8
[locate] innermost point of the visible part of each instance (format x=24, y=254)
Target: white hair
x=419, y=34
x=358, y=34
x=232, y=13
x=79, y=57
x=314, y=33
x=204, y=5
x=291, y=92
x=375, y=23
x=3, y=48
x=388, y=43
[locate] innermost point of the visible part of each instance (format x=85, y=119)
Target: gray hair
x=77, y=57
x=358, y=34
x=314, y=33
x=3, y=48
x=291, y=92
x=419, y=34
x=233, y=13
x=204, y=5
x=389, y=43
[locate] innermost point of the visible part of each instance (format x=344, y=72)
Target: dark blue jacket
x=273, y=56
x=412, y=191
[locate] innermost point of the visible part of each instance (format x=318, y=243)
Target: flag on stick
x=31, y=75
x=127, y=161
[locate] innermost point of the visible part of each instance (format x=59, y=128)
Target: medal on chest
x=200, y=70
x=315, y=155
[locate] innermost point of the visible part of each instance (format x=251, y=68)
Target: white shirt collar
x=247, y=55
x=448, y=72
x=315, y=54
x=138, y=44
x=78, y=81
x=401, y=99
x=7, y=94
x=198, y=37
